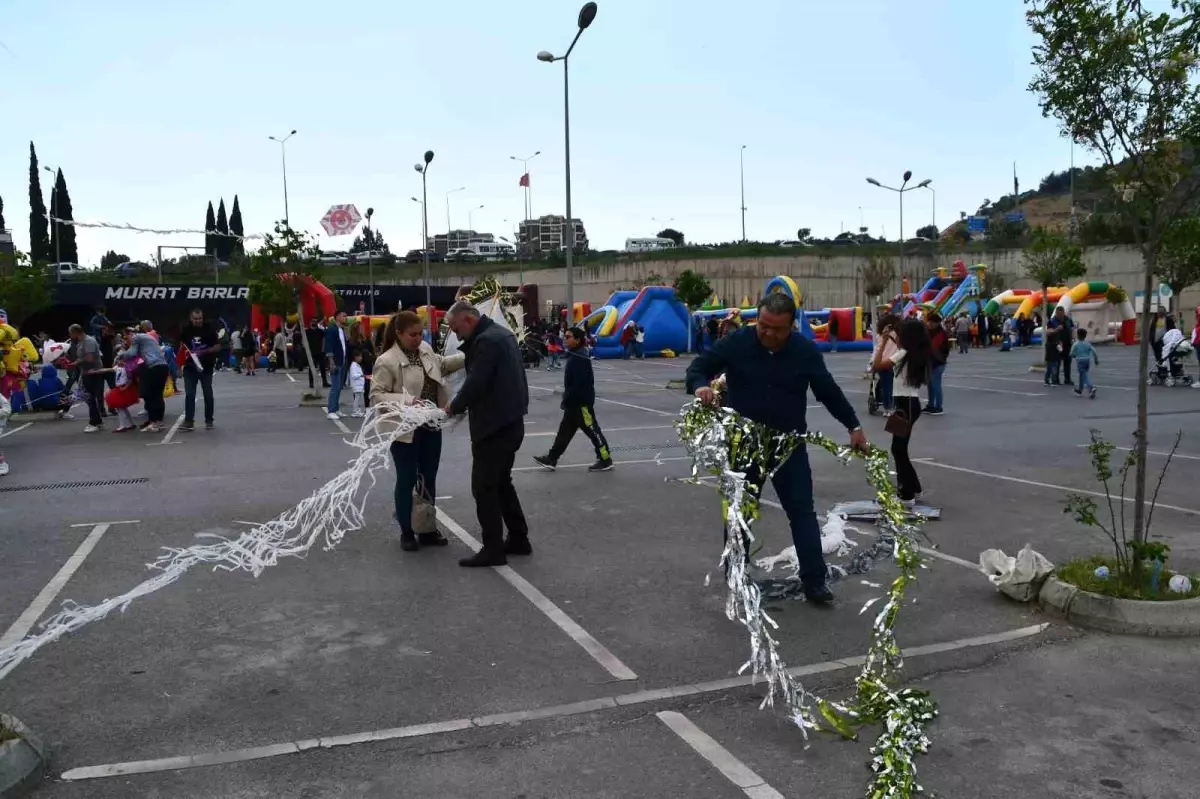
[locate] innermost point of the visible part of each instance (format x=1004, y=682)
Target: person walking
x=639, y=342
x=235, y=347
x=1084, y=354
x=335, y=356
x=151, y=376
x=202, y=346
x=406, y=371
x=1062, y=327
x=495, y=398
x=885, y=344
x=579, y=408
x=912, y=364
x=316, y=345
x=940, y=353
x=962, y=330
x=358, y=385
x=279, y=346
x=90, y=365
x=769, y=369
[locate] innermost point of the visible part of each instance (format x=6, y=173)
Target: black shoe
x=208, y=425
x=408, y=542
x=518, y=546
x=326, y=385
x=602, y=465
x=434, y=539
x=821, y=595
x=934, y=411
x=546, y=462
x=481, y=559
x=188, y=425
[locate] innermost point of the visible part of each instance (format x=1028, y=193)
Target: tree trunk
x=1150, y=260
x=312, y=364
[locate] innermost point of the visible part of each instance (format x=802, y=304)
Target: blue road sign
x=1014, y=216
x=977, y=224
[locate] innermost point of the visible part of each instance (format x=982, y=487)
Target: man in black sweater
x=578, y=404
x=495, y=397
x=769, y=368
x=203, y=346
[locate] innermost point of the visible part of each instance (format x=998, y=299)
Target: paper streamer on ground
x=333, y=510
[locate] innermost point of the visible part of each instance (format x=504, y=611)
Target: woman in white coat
x=407, y=371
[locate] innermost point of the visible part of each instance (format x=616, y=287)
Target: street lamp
x=525, y=173
x=452, y=191
x=283, y=157
x=471, y=223
x=586, y=15
x=520, y=263
x=424, y=170
x=57, y=212
x=742, y=173
x=924, y=184
x=370, y=263
x=933, y=215
x=418, y=202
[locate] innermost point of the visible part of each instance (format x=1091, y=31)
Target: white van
x=494, y=250
x=648, y=245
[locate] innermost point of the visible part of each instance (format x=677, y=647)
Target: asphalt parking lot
x=603, y=665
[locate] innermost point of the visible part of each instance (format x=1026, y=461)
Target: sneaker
x=333, y=417
x=546, y=462
x=188, y=425
x=208, y=425
x=3, y=468
x=93, y=428
x=123, y=429
x=70, y=417
x=517, y=546
x=935, y=411
x=820, y=595
x=1092, y=392
x=1078, y=392
x=434, y=539
x=602, y=465
x=148, y=427
x=341, y=415
x=408, y=542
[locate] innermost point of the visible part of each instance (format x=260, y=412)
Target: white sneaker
x=68, y=416
x=341, y=415
x=91, y=428
x=3, y=468
x=1196, y=384
x=332, y=416
x=358, y=414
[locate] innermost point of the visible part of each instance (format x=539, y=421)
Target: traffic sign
x=977, y=224
x=1014, y=216
x=340, y=220
x=1165, y=291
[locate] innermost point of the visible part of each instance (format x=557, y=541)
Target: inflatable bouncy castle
x=948, y=292
x=655, y=309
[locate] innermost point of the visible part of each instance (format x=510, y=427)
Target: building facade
x=444, y=243
x=545, y=235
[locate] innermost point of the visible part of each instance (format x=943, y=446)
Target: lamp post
x=424, y=243
x=471, y=223
x=742, y=173
x=520, y=263
x=933, y=216
x=283, y=158
x=57, y=212
x=586, y=15
x=525, y=173
x=424, y=170
x=370, y=264
x=452, y=191
x=900, y=191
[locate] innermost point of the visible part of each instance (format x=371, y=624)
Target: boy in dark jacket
x=578, y=404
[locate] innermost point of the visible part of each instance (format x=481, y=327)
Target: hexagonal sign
x=340, y=220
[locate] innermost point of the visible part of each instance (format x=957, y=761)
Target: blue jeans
x=416, y=468
x=935, y=387
x=793, y=486
x=885, y=388
x=1052, y=370
x=335, y=391
x=190, y=378
x=1084, y=369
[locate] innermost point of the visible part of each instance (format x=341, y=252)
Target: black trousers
x=153, y=382
x=496, y=503
x=907, y=483
x=573, y=420
x=93, y=386
x=323, y=365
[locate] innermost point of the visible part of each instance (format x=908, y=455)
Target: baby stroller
x=1169, y=371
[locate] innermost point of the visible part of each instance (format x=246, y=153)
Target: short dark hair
x=196, y=310
x=1081, y=333
x=577, y=333
x=777, y=302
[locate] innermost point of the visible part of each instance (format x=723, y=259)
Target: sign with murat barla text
x=176, y=292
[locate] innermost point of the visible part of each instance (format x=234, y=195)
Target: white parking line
x=996, y=390
x=93, y=524
x=341, y=426
x=170, y=433
x=1037, y=484
x=25, y=623
x=16, y=430
x=638, y=407
x=1031, y=380
x=599, y=653
x=721, y=758
x=1158, y=453
x=499, y=719
x=289, y=377
x=611, y=430
x=615, y=463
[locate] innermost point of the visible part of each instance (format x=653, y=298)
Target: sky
x=153, y=109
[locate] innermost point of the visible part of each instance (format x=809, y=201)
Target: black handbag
x=898, y=424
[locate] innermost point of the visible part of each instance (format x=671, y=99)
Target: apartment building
x=545, y=234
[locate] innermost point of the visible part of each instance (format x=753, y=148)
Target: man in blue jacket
x=769, y=368
x=335, y=351
x=578, y=405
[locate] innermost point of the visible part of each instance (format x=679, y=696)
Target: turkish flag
x=524, y=181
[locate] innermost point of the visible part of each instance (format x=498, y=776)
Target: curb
x=24, y=761
x=1110, y=614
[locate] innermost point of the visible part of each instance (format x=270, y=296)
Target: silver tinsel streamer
x=730, y=447
x=333, y=510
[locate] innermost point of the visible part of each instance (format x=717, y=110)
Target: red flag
x=524, y=181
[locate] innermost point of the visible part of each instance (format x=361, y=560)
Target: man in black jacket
x=495, y=397
x=578, y=404
x=769, y=368
x=203, y=345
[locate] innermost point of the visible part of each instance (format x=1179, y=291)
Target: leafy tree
x=1052, y=260
x=878, y=274
x=672, y=234
x=994, y=283
x=210, y=228
x=111, y=259
x=1008, y=233
x=221, y=242
x=237, y=245
x=39, y=233
x=275, y=271
x=62, y=235
x=1122, y=82
x=692, y=289
x=1179, y=263
x=370, y=240
x=2, y=225
x=929, y=232
x=805, y=233
x=23, y=291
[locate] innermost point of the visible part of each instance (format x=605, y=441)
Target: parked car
x=334, y=258
x=794, y=244
x=462, y=255
x=418, y=256
x=844, y=243
x=131, y=268
x=66, y=271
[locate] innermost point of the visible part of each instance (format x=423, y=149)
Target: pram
x=1169, y=371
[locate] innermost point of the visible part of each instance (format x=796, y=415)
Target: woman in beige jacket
x=408, y=371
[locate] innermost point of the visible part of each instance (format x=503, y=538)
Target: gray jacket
x=495, y=394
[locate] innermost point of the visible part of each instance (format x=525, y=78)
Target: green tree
x=62, y=235
x=877, y=275
x=221, y=243
x=370, y=240
x=237, y=230
x=805, y=233
x=111, y=259
x=1179, y=262
x=3, y=226
x=672, y=234
x=39, y=232
x=23, y=291
x=929, y=232
x=1052, y=260
x=210, y=231
x=276, y=269
x=692, y=289
x=1123, y=83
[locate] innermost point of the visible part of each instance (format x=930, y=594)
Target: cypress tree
x=2, y=225
x=235, y=227
x=39, y=235
x=222, y=240
x=210, y=225
x=60, y=208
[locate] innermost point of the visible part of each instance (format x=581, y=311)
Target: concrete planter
x=23, y=761
x=1133, y=616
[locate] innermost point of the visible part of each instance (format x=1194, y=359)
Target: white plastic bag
x=1021, y=577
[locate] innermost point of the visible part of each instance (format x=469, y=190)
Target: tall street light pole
x=424, y=170
x=283, y=157
x=742, y=174
x=424, y=243
x=57, y=212
x=933, y=218
x=900, y=191
x=370, y=262
x=524, y=174
x=586, y=15
x=448, y=228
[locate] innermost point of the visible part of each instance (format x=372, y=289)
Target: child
x=358, y=383
x=1084, y=353
x=1053, y=345
x=553, y=351
x=579, y=413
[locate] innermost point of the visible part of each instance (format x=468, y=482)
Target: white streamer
x=335, y=509
x=162, y=232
